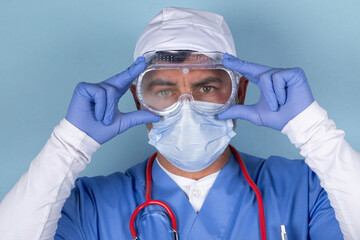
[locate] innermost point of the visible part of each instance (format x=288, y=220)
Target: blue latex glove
x=94, y=107
x=284, y=93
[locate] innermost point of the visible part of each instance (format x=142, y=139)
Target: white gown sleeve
x=33, y=206
x=335, y=162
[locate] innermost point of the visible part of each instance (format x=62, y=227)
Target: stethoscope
x=149, y=201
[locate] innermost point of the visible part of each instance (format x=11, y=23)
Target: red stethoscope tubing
x=149, y=201
x=255, y=189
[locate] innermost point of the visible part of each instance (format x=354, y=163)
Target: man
x=195, y=172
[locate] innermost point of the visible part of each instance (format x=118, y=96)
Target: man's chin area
x=216, y=166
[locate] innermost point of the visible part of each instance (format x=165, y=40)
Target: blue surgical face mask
x=189, y=140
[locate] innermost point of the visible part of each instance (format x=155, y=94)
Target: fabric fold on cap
x=185, y=29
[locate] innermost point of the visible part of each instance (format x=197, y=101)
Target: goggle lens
x=161, y=89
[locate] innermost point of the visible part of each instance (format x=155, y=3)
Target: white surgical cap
x=185, y=29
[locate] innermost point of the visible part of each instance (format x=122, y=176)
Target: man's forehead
x=185, y=73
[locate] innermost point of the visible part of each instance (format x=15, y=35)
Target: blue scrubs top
x=100, y=207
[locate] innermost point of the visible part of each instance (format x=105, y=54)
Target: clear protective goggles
x=172, y=78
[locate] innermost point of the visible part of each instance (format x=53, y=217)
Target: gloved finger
x=294, y=76
x=279, y=85
x=267, y=90
x=123, y=80
x=246, y=112
x=111, y=103
x=95, y=94
x=131, y=119
x=251, y=71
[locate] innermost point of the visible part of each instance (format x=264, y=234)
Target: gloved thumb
x=245, y=112
x=132, y=119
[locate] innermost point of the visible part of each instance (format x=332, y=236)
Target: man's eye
x=163, y=93
x=206, y=89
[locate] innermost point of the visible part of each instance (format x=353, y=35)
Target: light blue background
x=47, y=47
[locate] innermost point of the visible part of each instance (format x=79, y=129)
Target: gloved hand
x=94, y=107
x=284, y=93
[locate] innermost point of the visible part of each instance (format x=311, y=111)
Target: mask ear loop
x=148, y=202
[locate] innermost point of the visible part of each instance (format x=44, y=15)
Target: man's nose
x=186, y=97
x=185, y=89
x=185, y=86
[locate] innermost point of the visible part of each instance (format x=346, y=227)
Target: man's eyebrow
x=206, y=81
x=159, y=82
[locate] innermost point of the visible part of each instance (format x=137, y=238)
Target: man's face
x=162, y=88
